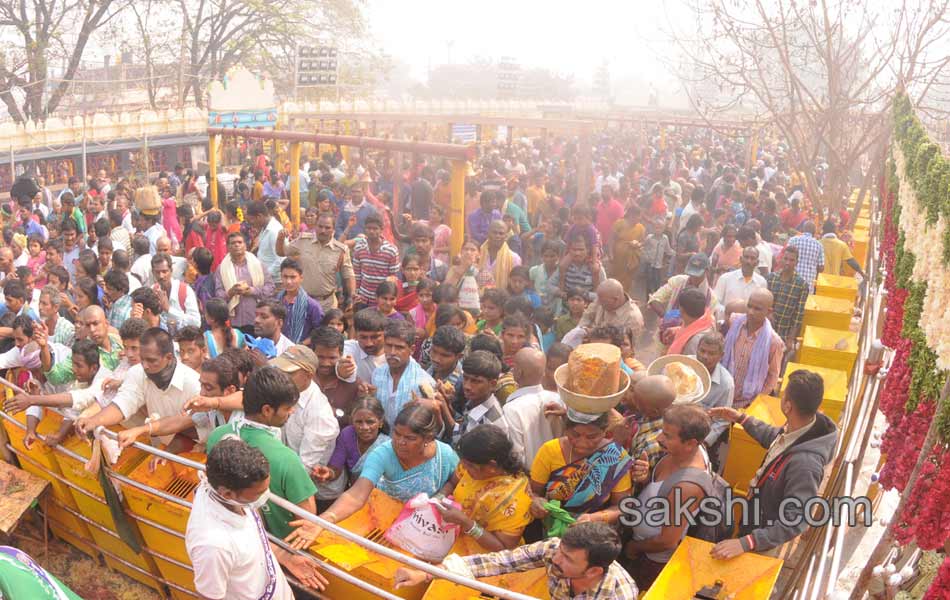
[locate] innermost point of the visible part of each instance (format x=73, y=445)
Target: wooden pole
x=295, y=183
x=213, y=168
x=457, y=218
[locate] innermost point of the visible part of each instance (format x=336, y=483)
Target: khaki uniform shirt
x=321, y=263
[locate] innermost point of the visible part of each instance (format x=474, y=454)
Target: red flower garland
x=901, y=445
x=932, y=521
x=906, y=528
x=896, y=384
x=940, y=587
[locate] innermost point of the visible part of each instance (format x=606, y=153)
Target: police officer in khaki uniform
x=322, y=258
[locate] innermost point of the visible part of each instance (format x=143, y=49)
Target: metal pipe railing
x=344, y=533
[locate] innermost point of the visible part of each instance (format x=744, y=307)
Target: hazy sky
x=568, y=37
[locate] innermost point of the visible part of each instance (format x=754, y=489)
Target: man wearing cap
x=312, y=429
x=666, y=298
x=322, y=259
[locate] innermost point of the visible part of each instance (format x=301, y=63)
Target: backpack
x=713, y=486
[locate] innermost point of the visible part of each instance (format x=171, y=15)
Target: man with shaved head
x=92, y=324
x=613, y=308
x=753, y=351
x=531, y=411
x=652, y=396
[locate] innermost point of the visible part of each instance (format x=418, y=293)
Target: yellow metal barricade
x=747, y=577
x=837, y=286
x=836, y=387
x=833, y=313
x=745, y=454
x=162, y=521
x=92, y=505
x=40, y=460
x=829, y=348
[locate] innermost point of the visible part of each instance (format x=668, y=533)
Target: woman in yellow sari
x=628, y=234
x=492, y=488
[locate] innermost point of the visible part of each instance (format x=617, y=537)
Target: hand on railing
x=406, y=577
x=304, y=534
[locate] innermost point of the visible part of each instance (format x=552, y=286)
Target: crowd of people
x=356, y=351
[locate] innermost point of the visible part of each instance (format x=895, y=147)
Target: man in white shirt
x=746, y=236
x=270, y=231
x=179, y=303
x=153, y=230
x=268, y=322
x=362, y=355
x=160, y=385
x=312, y=429
x=225, y=537
x=179, y=263
x=737, y=285
x=142, y=265
x=528, y=425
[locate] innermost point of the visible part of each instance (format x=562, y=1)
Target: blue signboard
x=243, y=118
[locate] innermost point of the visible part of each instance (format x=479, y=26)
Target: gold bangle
x=327, y=514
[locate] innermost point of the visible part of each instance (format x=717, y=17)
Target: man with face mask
x=225, y=538
x=270, y=399
x=581, y=564
x=159, y=385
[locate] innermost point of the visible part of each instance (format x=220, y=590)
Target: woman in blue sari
x=413, y=461
x=586, y=472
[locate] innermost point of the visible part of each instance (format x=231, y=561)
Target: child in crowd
x=576, y=305
x=493, y=310
x=582, y=224
x=544, y=274
x=37, y=260
x=386, y=294
x=411, y=274
x=556, y=356
x=334, y=318
x=543, y=318
x=445, y=315
x=423, y=308
x=86, y=389
x=656, y=253
x=580, y=268
x=519, y=281
x=309, y=224
x=515, y=335
x=191, y=347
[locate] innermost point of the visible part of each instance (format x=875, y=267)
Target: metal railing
x=410, y=561
x=823, y=549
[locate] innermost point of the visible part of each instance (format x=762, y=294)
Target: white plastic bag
x=468, y=294
x=421, y=530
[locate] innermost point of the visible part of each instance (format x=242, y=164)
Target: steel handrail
x=344, y=533
x=141, y=486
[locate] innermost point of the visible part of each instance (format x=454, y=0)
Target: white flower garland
x=926, y=244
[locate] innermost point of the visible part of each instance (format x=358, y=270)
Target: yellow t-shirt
x=837, y=253
x=550, y=458
x=500, y=504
